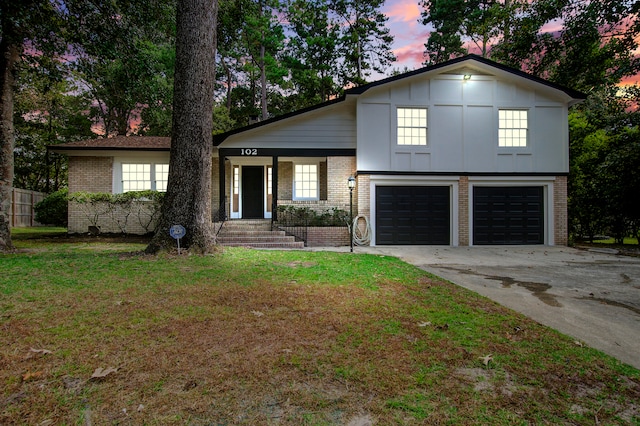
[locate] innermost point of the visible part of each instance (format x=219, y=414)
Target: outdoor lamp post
x=351, y=183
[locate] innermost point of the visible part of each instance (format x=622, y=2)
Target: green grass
x=626, y=241
x=37, y=232
x=272, y=337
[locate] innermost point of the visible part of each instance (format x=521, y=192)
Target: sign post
x=177, y=232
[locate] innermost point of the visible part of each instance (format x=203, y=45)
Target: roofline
x=103, y=148
x=570, y=92
x=219, y=138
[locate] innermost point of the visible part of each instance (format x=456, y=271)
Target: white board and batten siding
x=462, y=130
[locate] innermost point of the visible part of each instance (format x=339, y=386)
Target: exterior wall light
x=466, y=77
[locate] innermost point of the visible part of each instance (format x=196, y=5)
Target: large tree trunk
x=8, y=57
x=188, y=198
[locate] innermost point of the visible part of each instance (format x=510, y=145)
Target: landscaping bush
x=53, y=209
x=299, y=216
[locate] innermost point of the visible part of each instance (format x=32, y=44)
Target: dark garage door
x=508, y=215
x=412, y=215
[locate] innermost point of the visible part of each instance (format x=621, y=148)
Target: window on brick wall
x=143, y=176
x=306, y=182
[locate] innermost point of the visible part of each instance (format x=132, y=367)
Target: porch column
x=274, y=188
x=222, y=184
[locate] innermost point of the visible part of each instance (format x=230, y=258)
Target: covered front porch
x=252, y=183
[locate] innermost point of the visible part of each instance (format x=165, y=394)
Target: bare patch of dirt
x=487, y=380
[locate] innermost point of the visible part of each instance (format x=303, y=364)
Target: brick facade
x=327, y=236
x=334, y=191
x=90, y=174
x=362, y=194
x=463, y=211
x=95, y=174
x=561, y=229
x=87, y=174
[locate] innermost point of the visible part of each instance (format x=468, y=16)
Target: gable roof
x=117, y=143
x=575, y=95
x=569, y=92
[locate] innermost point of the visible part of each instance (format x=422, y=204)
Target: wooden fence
x=22, y=212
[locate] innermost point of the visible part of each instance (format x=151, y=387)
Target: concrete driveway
x=592, y=296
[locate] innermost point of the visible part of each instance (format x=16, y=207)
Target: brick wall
x=90, y=174
x=561, y=231
x=322, y=175
x=362, y=194
x=463, y=211
x=334, y=191
x=327, y=236
x=215, y=185
x=285, y=180
x=338, y=171
x=87, y=174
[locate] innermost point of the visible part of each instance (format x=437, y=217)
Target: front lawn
x=95, y=333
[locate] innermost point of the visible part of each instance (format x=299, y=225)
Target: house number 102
x=249, y=151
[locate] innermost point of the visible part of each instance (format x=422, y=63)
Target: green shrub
x=297, y=216
x=53, y=209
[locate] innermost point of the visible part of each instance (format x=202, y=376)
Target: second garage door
x=413, y=215
x=508, y=215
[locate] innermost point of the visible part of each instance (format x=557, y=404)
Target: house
x=467, y=152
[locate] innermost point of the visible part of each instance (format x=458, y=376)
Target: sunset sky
x=410, y=35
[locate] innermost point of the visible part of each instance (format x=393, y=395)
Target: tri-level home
x=467, y=152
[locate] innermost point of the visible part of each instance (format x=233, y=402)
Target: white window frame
x=412, y=130
x=160, y=179
x=138, y=176
x=154, y=181
x=296, y=181
x=513, y=132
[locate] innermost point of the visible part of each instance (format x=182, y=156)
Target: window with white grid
x=143, y=176
x=513, y=127
x=412, y=126
x=136, y=177
x=305, y=182
x=162, y=176
x=236, y=180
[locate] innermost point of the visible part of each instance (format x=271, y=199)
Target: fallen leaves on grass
x=101, y=373
x=32, y=375
x=33, y=352
x=486, y=359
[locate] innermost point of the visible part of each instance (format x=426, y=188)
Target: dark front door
x=252, y=192
x=508, y=215
x=412, y=215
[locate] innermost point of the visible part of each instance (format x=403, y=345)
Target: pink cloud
x=402, y=11
x=411, y=55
